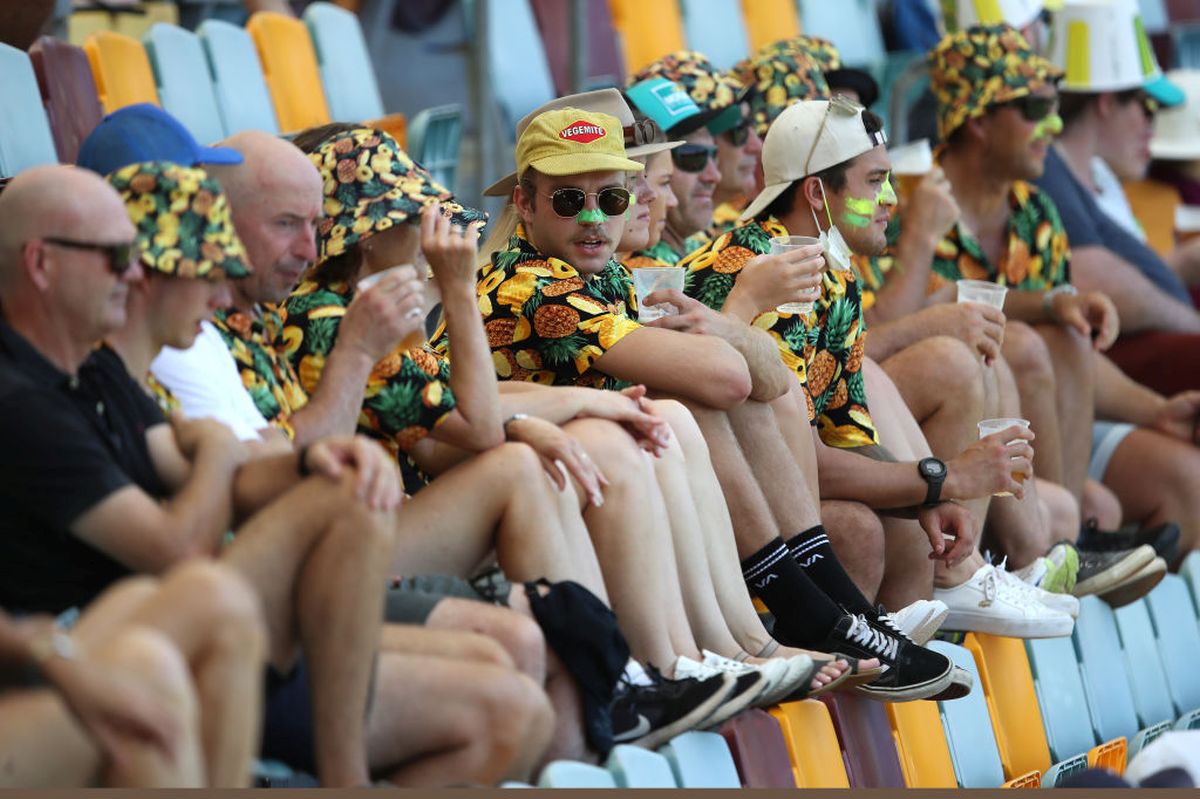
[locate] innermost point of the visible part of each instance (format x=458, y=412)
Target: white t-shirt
x=205, y=380
x=1112, y=200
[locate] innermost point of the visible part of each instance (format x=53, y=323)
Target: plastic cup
x=983, y=292
x=649, y=279
x=989, y=426
x=910, y=164
x=414, y=339
x=782, y=244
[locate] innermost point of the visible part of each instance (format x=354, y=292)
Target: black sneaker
x=1163, y=537
x=1103, y=571
x=746, y=690
x=913, y=672
x=651, y=715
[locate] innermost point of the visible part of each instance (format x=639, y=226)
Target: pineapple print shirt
x=1037, y=257
x=407, y=393
x=548, y=324
x=254, y=342
x=825, y=351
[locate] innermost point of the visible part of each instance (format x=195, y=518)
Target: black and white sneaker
x=913, y=672
x=1164, y=538
x=650, y=715
x=1103, y=571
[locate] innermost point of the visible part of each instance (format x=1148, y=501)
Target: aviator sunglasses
x=568, y=202
x=1031, y=107
x=693, y=157
x=120, y=256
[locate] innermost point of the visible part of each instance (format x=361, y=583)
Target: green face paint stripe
x=887, y=194
x=861, y=206
x=855, y=220
x=1051, y=125
x=590, y=216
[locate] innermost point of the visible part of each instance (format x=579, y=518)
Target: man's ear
x=1105, y=105
x=810, y=193
x=523, y=202
x=34, y=264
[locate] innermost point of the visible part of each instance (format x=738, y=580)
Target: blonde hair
x=499, y=232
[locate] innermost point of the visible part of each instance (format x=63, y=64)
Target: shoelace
x=889, y=620
x=877, y=641
x=1012, y=588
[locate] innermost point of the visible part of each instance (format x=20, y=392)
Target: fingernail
x=598, y=500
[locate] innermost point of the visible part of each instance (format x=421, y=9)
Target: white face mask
x=837, y=251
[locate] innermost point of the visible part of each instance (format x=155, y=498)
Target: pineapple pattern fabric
x=546, y=323
x=407, y=393
x=825, y=350
x=252, y=339
x=1036, y=257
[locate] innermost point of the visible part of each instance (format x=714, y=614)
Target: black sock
x=803, y=613
x=812, y=551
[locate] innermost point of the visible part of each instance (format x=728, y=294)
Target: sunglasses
x=612, y=201
x=1031, y=107
x=692, y=157
x=739, y=133
x=120, y=256
x=1149, y=105
x=842, y=106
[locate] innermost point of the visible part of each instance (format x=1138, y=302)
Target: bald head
x=271, y=166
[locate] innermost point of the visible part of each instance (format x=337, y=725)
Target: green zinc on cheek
x=1051, y=125
x=858, y=212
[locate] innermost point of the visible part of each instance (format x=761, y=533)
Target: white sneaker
x=749, y=686
x=990, y=603
x=920, y=620
x=783, y=675
x=1063, y=603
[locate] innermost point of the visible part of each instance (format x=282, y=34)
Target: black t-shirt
x=68, y=442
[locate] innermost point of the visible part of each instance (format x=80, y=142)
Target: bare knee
x=857, y=537
x=226, y=600
x=1102, y=505
x=1027, y=353
x=498, y=636
x=157, y=665
x=958, y=368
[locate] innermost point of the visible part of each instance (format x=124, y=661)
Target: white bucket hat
x=1177, y=130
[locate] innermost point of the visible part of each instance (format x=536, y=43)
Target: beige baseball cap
x=808, y=137
x=604, y=101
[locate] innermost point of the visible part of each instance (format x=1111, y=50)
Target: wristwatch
x=933, y=472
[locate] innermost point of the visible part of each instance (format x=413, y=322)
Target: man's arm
x=705, y=369
x=979, y=326
x=1122, y=399
x=1141, y=305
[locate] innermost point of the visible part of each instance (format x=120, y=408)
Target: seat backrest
x=1154, y=15
x=768, y=21
x=852, y=25
x=647, y=29
x=716, y=28
x=433, y=139
x=1105, y=680
x=968, y=727
x=1012, y=703
x=289, y=66
x=346, y=71
x=238, y=83
x=69, y=93
x=121, y=69
x=604, y=66
x=1190, y=572
x=25, y=138
x=1178, y=640
x=1061, y=697
x=866, y=739
x=758, y=750
x=701, y=760
x=1147, y=680
x=573, y=774
x=185, y=86
x=812, y=744
x=634, y=767
x=518, y=84
x=921, y=744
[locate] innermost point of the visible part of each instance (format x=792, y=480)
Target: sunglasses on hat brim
x=568, y=202
x=692, y=157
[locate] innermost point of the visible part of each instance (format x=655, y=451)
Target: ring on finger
x=414, y=313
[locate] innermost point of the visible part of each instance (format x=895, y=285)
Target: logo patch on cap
x=582, y=132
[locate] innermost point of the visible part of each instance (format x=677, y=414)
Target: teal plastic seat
x=238, y=83
x=347, y=74
x=1105, y=679
x=716, y=28
x=1147, y=680
x=25, y=138
x=572, y=774
x=968, y=728
x=1190, y=572
x=1061, y=697
x=852, y=25
x=185, y=86
x=519, y=84
x=635, y=767
x=701, y=760
x=1178, y=637
x=433, y=138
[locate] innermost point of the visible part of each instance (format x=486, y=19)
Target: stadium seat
x=866, y=740
x=853, y=25
x=1185, y=44
x=1012, y=702
x=25, y=138
x=1190, y=571
x=1105, y=679
x=132, y=21
x=921, y=745
x=968, y=728
x=69, y=93
x=184, y=83
x=758, y=750
x=241, y=91
x=433, y=138
x=715, y=28
x=701, y=760
x=1178, y=637
x=518, y=84
x=604, y=66
x=345, y=65
x=647, y=30
x=812, y=744
x=572, y=774
x=1154, y=15
x=768, y=21
x=1151, y=697
x=289, y=66
x=121, y=69
x=634, y=767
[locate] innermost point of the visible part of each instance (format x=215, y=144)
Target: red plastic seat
x=865, y=736
x=604, y=65
x=759, y=751
x=68, y=92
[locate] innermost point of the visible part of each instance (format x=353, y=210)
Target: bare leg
x=1029, y=360
x=1101, y=504
x=1061, y=511
x=1157, y=480
x=942, y=384
x=1074, y=371
x=857, y=537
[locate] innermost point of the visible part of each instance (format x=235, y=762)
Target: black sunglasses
x=692, y=157
x=739, y=133
x=1032, y=107
x=568, y=202
x=120, y=256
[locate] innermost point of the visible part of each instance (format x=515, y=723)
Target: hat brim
x=224, y=156
x=1165, y=92
x=504, y=186
x=1175, y=150
x=857, y=80
x=582, y=163
x=765, y=197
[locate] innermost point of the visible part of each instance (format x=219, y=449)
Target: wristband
x=1048, y=298
x=302, y=464
x=50, y=644
x=516, y=417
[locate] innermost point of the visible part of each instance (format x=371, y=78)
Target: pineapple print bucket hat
x=370, y=184
x=182, y=219
x=778, y=76
x=980, y=67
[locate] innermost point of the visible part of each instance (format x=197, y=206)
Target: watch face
x=933, y=467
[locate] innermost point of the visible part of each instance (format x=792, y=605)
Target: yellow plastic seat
x=289, y=65
x=649, y=29
x=1111, y=755
x=1031, y=780
x=768, y=21
x=133, y=23
x=921, y=744
x=122, y=70
x=812, y=744
x=1154, y=204
x=1012, y=703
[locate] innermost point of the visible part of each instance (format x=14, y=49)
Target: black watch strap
x=933, y=491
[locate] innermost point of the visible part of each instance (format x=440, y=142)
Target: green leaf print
x=837, y=324
x=856, y=389
x=715, y=289
x=320, y=334
x=397, y=405
x=561, y=351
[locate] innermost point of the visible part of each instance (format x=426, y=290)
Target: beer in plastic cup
x=782, y=244
x=989, y=426
x=910, y=164
x=649, y=279
x=982, y=291
x=414, y=339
